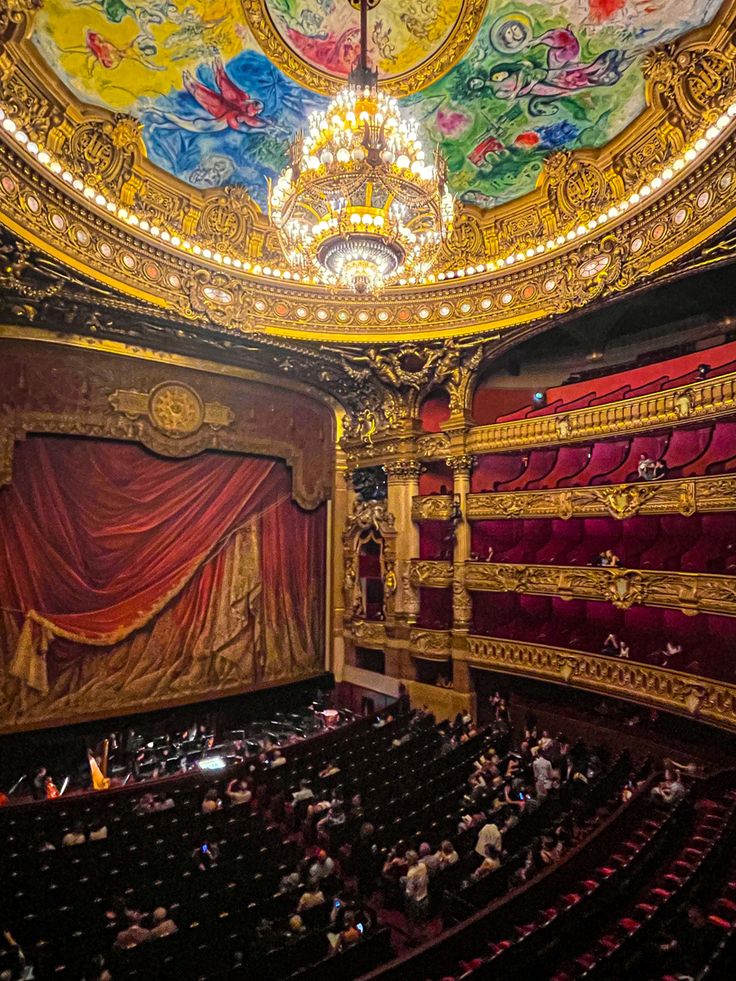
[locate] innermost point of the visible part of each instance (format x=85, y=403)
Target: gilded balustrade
x=434, y=645
x=686, y=497
x=699, y=400
x=366, y=633
x=432, y=507
x=433, y=573
x=686, y=591
x=673, y=691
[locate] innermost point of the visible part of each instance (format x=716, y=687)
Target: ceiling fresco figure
x=215, y=86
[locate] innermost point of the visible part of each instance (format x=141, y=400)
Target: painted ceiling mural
x=216, y=110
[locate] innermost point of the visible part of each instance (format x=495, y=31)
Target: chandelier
x=360, y=206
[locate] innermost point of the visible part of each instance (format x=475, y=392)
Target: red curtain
x=97, y=537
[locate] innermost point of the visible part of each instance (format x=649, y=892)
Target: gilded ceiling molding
x=512, y=265
x=433, y=507
x=686, y=591
x=686, y=497
x=673, y=691
x=434, y=574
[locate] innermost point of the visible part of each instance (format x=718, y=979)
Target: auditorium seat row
x=698, y=543
x=710, y=839
x=694, y=451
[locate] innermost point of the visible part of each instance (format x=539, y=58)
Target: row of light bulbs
x=185, y=245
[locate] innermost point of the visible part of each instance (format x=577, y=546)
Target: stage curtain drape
x=106, y=546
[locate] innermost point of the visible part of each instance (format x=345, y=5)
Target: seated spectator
x=322, y=868
x=611, y=646
x=432, y=861
x=305, y=792
x=238, y=792
x=205, y=857
x=43, y=844
x=446, y=854
x=349, y=934
x=334, y=818
x=98, y=830
x=163, y=925
x=211, y=802
x=329, y=770
x=671, y=789
x=649, y=469
x=133, y=935
x=542, y=770
x=296, y=926
x=277, y=759
x=490, y=863
x=357, y=811
x=74, y=837
x=145, y=804
x=311, y=897
x=163, y=803
x=489, y=835
x=550, y=850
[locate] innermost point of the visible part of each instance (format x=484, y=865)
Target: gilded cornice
x=673, y=691
x=591, y=228
x=433, y=507
x=686, y=591
x=430, y=573
x=686, y=497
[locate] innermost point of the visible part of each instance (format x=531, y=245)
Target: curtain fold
x=97, y=538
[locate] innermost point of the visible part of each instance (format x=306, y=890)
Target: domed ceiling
x=498, y=86
x=590, y=143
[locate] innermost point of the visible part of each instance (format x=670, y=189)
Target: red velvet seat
x=494, y=468
x=685, y=448
x=540, y=463
x=605, y=457
x=720, y=454
x=570, y=461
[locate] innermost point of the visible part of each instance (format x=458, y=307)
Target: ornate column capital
x=403, y=469
x=460, y=465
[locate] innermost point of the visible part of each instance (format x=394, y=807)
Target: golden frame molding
x=454, y=46
x=366, y=633
x=687, y=497
x=434, y=574
x=689, y=84
x=126, y=414
x=689, y=592
x=432, y=507
x=672, y=691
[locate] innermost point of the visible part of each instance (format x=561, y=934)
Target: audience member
x=238, y=792
x=75, y=837
x=211, y=802
x=163, y=925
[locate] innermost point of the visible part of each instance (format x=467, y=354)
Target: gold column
x=461, y=606
x=403, y=486
x=342, y=505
